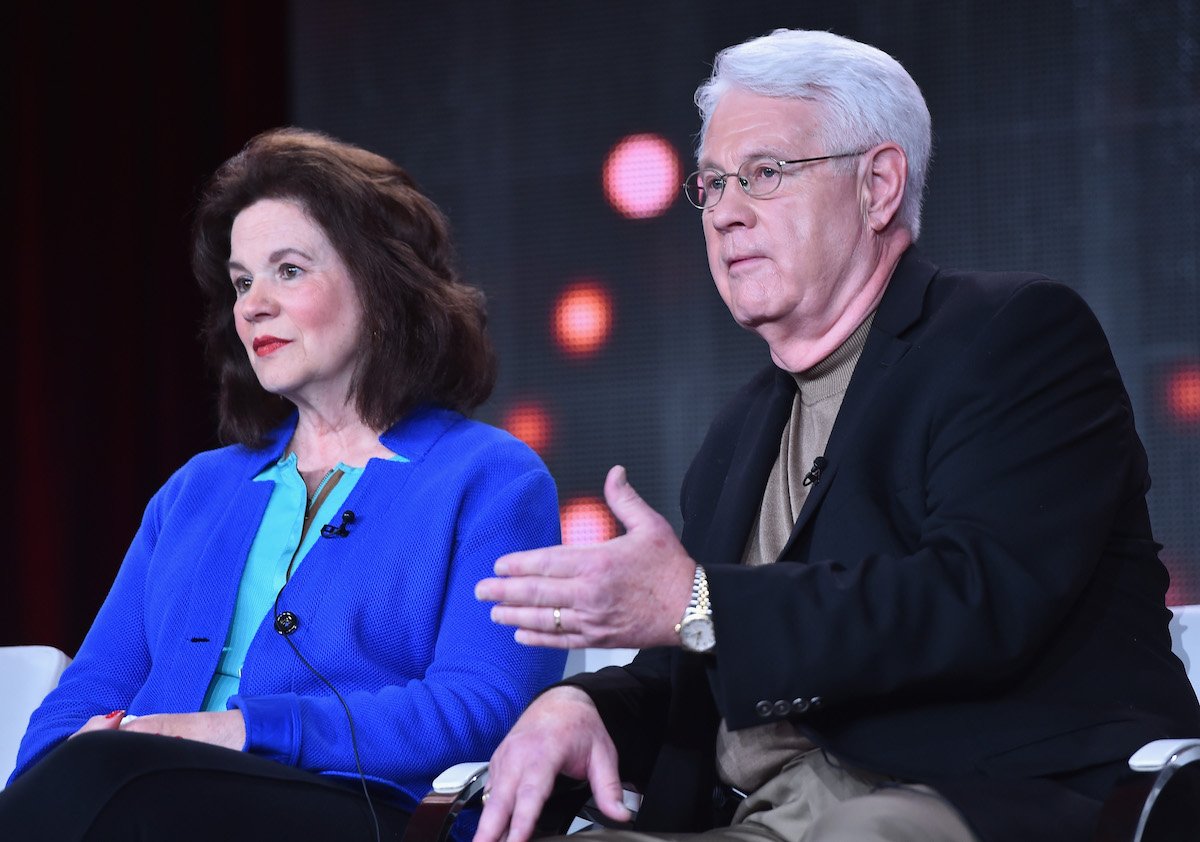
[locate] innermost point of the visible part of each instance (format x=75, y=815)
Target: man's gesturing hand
x=626, y=592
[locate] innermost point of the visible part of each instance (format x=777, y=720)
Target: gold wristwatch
x=695, y=630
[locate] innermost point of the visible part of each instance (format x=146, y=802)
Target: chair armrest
x=457, y=787
x=1160, y=798
x=462, y=778
x=1159, y=754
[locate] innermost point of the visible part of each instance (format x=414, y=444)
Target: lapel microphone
x=339, y=531
x=811, y=478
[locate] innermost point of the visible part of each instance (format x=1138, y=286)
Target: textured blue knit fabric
x=387, y=614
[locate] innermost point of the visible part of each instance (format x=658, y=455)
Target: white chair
x=27, y=674
x=590, y=660
x=1162, y=800
x=1185, y=640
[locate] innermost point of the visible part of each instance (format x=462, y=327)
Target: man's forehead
x=746, y=125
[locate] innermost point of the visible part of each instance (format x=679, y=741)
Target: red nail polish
x=114, y=713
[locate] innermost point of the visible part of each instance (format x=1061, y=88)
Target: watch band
x=699, y=603
x=695, y=629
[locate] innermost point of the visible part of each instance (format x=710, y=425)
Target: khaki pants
x=815, y=800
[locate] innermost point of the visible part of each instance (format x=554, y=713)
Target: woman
x=299, y=605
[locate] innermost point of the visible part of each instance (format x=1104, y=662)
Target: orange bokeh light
x=642, y=176
x=586, y=520
x=1183, y=394
x=530, y=422
x=583, y=318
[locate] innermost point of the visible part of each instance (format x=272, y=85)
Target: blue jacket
x=387, y=613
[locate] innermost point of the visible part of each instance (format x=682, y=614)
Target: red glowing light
x=1183, y=394
x=642, y=176
x=586, y=520
x=583, y=318
x=530, y=422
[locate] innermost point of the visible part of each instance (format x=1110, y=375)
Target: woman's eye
x=241, y=284
x=289, y=271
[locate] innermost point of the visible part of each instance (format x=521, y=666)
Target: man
x=917, y=596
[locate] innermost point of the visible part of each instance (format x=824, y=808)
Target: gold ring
x=558, y=619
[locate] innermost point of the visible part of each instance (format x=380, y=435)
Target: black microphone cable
x=285, y=623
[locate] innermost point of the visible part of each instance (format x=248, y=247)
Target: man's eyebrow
x=773, y=154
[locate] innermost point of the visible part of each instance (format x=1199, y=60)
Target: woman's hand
x=102, y=722
x=224, y=728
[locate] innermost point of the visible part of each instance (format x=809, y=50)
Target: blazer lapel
x=900, y=309
x=754, y=454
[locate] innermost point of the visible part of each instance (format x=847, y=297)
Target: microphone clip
x=329, y=530
x=814, y=474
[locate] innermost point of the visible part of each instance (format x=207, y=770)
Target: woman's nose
x=256, y=302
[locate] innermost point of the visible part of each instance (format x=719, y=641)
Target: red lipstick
x=264, y=345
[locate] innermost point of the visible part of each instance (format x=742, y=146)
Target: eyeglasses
x=758, y=177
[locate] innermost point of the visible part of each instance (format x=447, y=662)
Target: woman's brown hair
x=423, y=334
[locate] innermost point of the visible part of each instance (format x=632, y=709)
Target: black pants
x=110, y=785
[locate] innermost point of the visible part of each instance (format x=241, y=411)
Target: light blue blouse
x=277, y=541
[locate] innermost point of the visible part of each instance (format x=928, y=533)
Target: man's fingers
x=530, y=591
x=605, y=782
x=625, y=502
x=550, y=641
x=514, y=803
x=493, y=823
x=554, y=620
x=560, y=561
x=531, y=798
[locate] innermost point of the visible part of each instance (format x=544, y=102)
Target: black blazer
x=971, y=596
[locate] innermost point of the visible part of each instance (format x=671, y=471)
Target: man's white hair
x=868, y=96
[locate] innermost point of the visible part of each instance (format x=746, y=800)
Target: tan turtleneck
x=749, y=757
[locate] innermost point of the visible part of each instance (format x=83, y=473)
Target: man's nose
x=734, y=208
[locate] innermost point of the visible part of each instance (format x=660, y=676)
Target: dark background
x=1066, y=141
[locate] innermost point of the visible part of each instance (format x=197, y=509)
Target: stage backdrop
x=555, y=136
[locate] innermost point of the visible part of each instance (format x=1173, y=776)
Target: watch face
x=697, y=635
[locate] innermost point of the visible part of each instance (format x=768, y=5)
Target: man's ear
x=883, y=187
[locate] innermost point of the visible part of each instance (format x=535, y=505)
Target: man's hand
x=627, y=592
x=561, y=732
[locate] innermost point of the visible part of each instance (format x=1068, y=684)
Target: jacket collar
x=900, y=309
x=411, y=437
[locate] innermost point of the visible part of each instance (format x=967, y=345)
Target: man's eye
x=713, y=181
x=764, y=172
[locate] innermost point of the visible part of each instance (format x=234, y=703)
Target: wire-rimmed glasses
x=758, y=177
